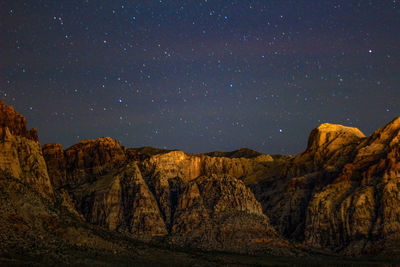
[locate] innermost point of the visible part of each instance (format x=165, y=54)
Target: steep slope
x=20, y=152
x=221, y=213
x=167, y=173
x=286, y=186
x=121, y=201
x=36, y=222
x=84, y=161
x=359, y=210
x=137, y=192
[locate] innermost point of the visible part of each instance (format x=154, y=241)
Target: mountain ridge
x=339, y=195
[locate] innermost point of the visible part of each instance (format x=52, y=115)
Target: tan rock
x=329, y=147
x=56, y=164
x=15, y=122
x=121, y=201
x=90, y=158
x=21, y=154
x=220, y=213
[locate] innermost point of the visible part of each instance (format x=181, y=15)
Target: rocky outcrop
x=83, y=161
x=90, y=158
x=21, y=154
x=342, y=193
x=220, y=213
x=121, y=201
x=360, y=207
x=167, y=173
x=286, y=186
x=56, y=164
x=15, y=122
x=330, y=147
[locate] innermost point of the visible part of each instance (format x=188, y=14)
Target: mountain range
x=98, y=202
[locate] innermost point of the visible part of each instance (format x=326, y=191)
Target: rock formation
x=360, y=207
x=121, y=201
x=220, y=213
x=83, y=161
x=20, y=152
x=15, y=122
x=341, y=194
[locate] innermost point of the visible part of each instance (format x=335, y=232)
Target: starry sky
x=200, y=75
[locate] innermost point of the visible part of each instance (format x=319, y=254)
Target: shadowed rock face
x=56, y=164
x=84, y=161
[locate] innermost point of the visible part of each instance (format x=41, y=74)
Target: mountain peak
x=327, y=132
x=15, y=122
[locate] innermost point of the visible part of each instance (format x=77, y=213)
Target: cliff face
x=220, y=213
x=286, y=186
x=341, y=193
x=56, y=164
x=360, y=206
x=167, y=173
x=121, y=201
x=140, y=192
x=84, y=161
x=15, y=122
x=21, y=154
x=330, y=147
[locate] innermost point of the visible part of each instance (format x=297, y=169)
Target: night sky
x=199, y=75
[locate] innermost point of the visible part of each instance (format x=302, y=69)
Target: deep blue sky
x=200, y=75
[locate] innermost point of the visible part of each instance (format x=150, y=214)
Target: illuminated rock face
x=341, y=193
x=15, y=122
x=21, y=154
x=144, y=197
x=361, y=206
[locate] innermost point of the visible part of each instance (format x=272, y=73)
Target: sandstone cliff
x=83, y=161
x=359, y=209
x=341, y=193
x=20, y=152
x=167, y=173
x=221, y=213
x=109, y=189
x=15, y=122
x=121, y=201
x=285, y=187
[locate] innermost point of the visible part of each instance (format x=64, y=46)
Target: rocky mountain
x=339, y=196
x=21, y=154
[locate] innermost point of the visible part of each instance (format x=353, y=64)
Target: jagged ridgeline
x=341, y=195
